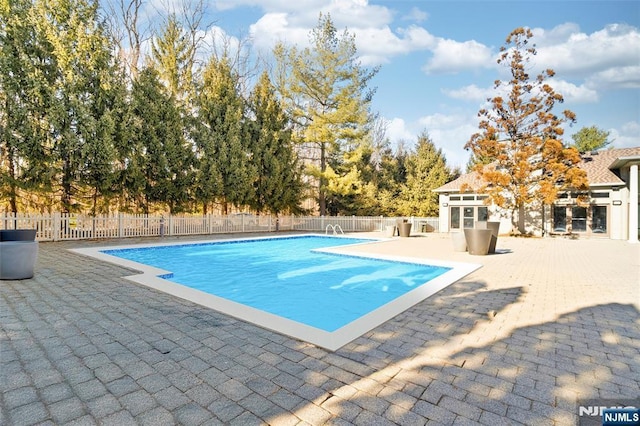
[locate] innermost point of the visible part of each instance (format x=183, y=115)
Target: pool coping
x=150, y=276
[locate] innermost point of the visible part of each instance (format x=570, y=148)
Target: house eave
x=620, y=162
x=616, y=184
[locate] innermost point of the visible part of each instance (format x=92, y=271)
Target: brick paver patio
x=79, y=344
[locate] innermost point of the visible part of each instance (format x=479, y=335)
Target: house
x=612, y=212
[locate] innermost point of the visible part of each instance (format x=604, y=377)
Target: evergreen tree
x=79, y=120
x=426, y=171
x=325, y=90
x=278, y=186
x=348, y=175
x=389, y=178
x=129, y=179
x=172, y=55
x=26, y=78
x=161, y=153
x=226, y=171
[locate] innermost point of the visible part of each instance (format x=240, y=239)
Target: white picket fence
x=62, y=226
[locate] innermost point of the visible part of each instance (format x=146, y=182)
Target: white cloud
x=378, y=45
x=628, y=136
x=376, y=41
x=271, y=5
x=616, y=78
x=606, y=57
x=572, y=93
x=450, y=132
x=356, y=13
x=397, y=131
x=273, y=28
x=450, y=56
x=416, y=15
x=471, y=93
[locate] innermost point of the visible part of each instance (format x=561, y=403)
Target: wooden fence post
x=55, y=227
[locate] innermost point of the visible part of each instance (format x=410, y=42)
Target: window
x=468, y=218
x=559, y=219
x=579, y=219
x=468, y=198
x=599, y=219
x=455, y=217
x=483, y=214
x=454, y=198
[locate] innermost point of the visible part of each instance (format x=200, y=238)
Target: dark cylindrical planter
x=478, y=241
x=18, y=235
x=405, y=229
x=495, y=228
x=17, y=259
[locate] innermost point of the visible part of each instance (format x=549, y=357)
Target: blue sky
x=438, y=58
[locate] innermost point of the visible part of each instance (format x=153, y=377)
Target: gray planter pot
x=405, y=229
x=459, y=241
x=17, y=259
x=478, y=241
x=390, y=231
x=495, y=228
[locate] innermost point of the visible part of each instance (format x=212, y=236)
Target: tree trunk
x=13, y=193
x=521, y=220
x=67, y=187
x=94, y=206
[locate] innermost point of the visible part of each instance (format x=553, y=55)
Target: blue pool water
x=285, y=277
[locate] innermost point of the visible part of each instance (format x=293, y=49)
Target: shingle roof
x=471, y=180
x=596, y=165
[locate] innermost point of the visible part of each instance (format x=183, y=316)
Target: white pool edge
x=150, y=277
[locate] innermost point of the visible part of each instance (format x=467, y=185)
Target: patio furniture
x=478, y=241
x=494, y=227
x=18, y=253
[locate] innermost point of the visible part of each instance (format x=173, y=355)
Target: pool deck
x=543, y=324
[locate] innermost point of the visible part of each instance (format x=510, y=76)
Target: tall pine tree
x=161, y=154
x=27, y=74
x=79, y=120
x=426, y=171
x=325, y=91
x=278, y=186
x=226, y=170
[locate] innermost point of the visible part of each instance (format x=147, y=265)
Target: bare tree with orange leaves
x=523, y=161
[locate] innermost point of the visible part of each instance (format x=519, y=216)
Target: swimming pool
x=294, y=285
